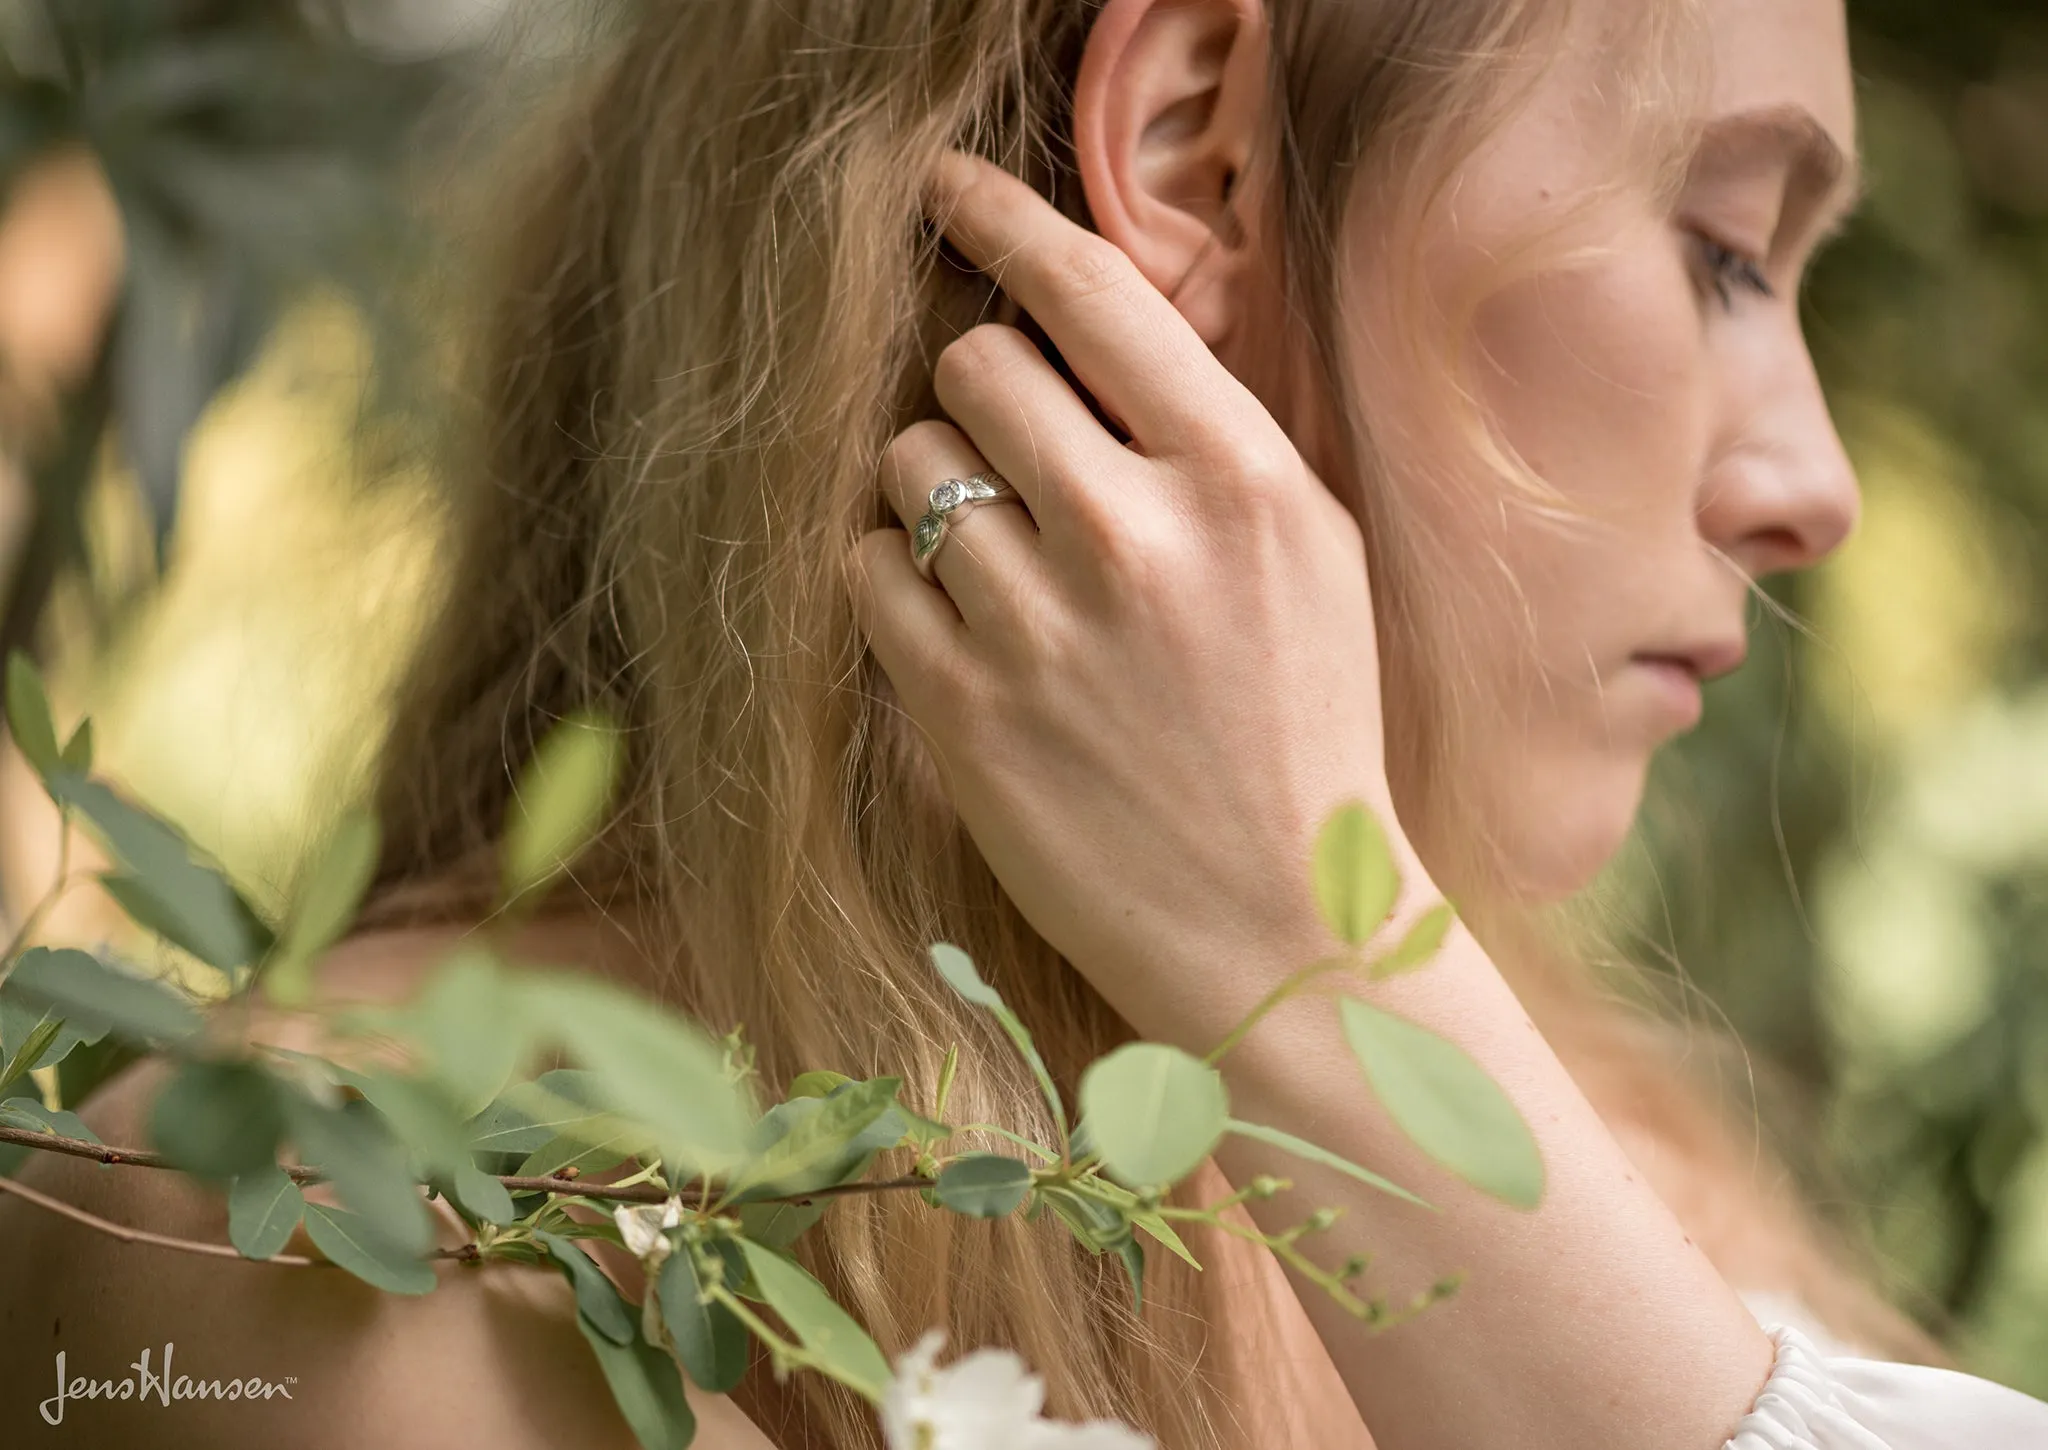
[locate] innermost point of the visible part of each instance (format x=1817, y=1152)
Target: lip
x=1705, y=660
x=1676, y=685
x=1676, y=675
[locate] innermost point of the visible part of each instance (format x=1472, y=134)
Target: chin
x=1558, y=826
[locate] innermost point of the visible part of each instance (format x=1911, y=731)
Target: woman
x=1399, y=403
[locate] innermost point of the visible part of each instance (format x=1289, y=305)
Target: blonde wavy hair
x=712, y=306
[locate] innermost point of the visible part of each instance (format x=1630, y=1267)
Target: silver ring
x=952, y=497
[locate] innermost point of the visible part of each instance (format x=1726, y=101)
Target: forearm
x=1592, y=1321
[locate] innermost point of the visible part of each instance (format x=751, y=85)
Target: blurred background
x=216, y=536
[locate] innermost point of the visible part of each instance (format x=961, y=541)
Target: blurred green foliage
x=1850, y=858
x=250, y=147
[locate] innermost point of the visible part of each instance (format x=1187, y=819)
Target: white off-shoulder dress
x=1822, y=1396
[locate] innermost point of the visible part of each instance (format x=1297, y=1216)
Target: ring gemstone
x=949, y=496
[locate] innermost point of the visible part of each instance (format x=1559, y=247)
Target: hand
x=1150, y=677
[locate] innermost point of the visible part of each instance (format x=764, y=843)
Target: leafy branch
x=711, y=1189
x=566, y=1183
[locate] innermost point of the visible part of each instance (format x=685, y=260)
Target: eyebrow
x=1822, y=173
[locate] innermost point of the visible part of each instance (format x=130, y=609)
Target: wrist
x=1198, y=982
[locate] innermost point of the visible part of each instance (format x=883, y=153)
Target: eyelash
x=1728, y=270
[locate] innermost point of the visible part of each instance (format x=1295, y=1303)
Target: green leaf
x=817, y=1084
x=218, y=1120
x=1355, y=878
x=1446, y=1103
x=1099, y=1226
x=1132, y=1253
x=778, y=1225
x=962, y=976
x=28, y=714
x=959, y=971
x=1154, y=1112
x=30, y=1114
x=944, y=1089
x=345, y=1238
x=19, y=1064
x=733, y=1271
x=263, y=1209
x=561, y=800
x=819, y=1325
x=471, y=1025
x=597, y=1299
x=1419, y=946
x=984, y=1185
x=709, y=1338
x=160, y=916
x=607, y=1143
x=190, y=904
x=483, y=1195
x=91, y=1064
x=597, y=1228
x=77, y=757
x=1148, y=1219
x=822, y=1142
x=354, y=1148
x=921, y=1132
x=649, y=1066
x=647, y=1388
x=84, y=990
x=23, y=1021
x=420, y=1116
x=529, y=1115
x=323, y=908
x=1309, y=1152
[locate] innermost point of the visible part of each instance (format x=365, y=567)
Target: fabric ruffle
x=1814, y=1401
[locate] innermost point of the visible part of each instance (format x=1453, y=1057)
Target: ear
x=1166, y=112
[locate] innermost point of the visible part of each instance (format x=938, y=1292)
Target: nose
x=1783, y=494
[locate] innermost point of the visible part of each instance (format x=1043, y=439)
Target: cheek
x=1599, y=383
x=1597, y=379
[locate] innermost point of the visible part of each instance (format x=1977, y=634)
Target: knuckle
x=979, y=351
x=1267, y=488
x=1269, y=467
x=904, y=455
x=1086, y=266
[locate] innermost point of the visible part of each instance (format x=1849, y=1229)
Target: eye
x=1728, y=271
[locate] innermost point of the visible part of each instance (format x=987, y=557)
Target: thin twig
x=514, y=1183
x=129, y=1235
x=465, y=1253
x=101, y=1153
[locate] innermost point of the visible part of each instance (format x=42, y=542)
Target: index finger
x=1124, y=340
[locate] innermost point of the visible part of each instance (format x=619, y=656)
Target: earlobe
x=1166, y=110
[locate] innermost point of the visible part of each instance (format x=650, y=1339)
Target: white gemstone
x=949, y=496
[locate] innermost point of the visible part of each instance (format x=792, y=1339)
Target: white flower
x=643, y=1227
x=985, y=1401
x=645, y=1230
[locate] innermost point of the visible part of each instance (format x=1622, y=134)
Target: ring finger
x=987, y=545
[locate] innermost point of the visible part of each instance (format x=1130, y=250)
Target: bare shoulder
x=492, y=1356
